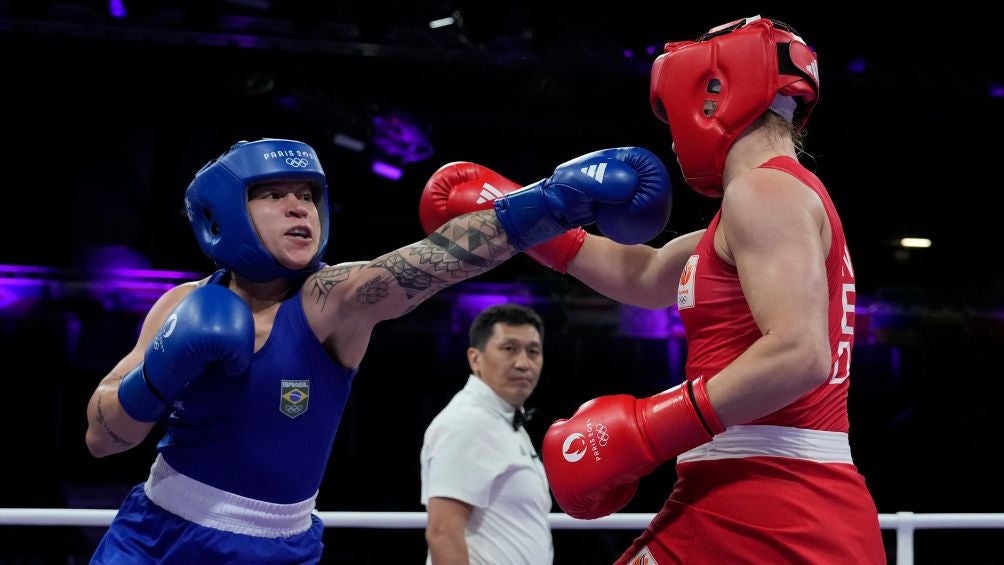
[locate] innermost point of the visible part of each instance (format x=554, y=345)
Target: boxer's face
x=511, y=361
x=286, y=219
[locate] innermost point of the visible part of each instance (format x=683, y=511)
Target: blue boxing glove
x=211, y=325
x=625, y=191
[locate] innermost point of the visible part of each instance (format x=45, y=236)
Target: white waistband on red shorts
x=773, y=441
x=221, y=510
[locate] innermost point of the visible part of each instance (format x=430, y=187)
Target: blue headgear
x=217, y=199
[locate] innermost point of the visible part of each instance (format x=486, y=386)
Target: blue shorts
x=143, y=532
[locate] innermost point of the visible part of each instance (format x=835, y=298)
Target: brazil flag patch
x=294, y=397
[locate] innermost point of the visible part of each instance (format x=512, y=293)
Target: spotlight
x=348, y=142
x=442, y=22
x=919, y=242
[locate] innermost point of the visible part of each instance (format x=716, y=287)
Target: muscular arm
x=344, y=302
x=772, y=230
x=109, y=429
x=634, y=274
x=447, y=520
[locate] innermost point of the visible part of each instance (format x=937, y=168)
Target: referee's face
x=511, y=361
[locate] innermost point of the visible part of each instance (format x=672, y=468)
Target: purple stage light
x=117, y=9
x=472, y=298
x=386, y=170
x=651, y=324
x=150, y=274
x=399, y=136
x=23, y=286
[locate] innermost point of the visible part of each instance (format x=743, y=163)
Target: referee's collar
x=484, y=393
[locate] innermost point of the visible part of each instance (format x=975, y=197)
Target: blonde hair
x=778, y=128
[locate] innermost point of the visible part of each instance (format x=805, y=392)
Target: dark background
x=105, y=121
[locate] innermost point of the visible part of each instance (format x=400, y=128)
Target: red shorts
x=763, y=510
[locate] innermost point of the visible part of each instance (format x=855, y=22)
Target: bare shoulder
x=165, y=305
x=767, y=200
x=763, y=209
x=174, y=296
x=763, y=191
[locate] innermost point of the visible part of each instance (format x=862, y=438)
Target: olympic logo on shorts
x=298, y=162
x=601, y=435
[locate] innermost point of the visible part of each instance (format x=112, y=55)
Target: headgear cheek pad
x=217, y=199
x=711, y=89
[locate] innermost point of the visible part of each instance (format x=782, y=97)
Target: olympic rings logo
x=602, y=435
x=298, y=162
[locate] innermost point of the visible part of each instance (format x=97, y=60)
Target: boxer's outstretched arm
x=625, y=191
x=395, y=283
x=344, y=302
x=639, y=275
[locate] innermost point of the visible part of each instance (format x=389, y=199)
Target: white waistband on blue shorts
x=221, y=510
x=773, y=441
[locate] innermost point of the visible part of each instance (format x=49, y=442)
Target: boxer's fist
x=594, y=459
x=625, y=191
x=461, y=187
x=211, y=325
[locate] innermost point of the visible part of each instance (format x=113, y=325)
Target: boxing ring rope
x=905, y=523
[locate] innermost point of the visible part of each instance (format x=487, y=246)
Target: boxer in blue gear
x=252, y=366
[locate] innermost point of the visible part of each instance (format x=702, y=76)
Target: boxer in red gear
x=759, y=430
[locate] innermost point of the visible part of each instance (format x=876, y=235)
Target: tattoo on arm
x=326, y=279
x=412, y=279
x=479, y=232
x=461, y=249
x=104, y=424
x=373, y=290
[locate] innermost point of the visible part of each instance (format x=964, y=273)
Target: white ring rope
x=410, y=520
x=905, y=523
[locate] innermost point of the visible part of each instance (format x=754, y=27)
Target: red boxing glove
x=460, y=187
x=594, y=459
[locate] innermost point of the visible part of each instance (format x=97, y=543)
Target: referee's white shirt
x=472, y=454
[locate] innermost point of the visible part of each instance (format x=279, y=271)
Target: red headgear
x=712, y=89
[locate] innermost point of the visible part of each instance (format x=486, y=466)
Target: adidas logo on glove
x=595, y=172
x=488, y=193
